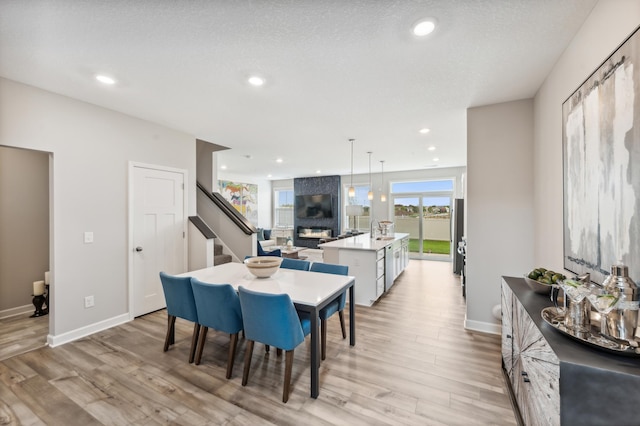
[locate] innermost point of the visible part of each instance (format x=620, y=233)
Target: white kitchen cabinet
x=380, y=273
x=366, y=266
x=405, y=252
x=367, y=261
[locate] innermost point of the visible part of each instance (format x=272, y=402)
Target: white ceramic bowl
x=263, y=266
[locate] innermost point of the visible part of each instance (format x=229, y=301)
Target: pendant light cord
x=351, y=162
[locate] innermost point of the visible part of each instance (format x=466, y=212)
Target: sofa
x=265, y=237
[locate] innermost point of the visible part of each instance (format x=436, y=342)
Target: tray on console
x=555, y=318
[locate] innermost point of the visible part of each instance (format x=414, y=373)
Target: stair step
x=217, y=249
x=221, y=259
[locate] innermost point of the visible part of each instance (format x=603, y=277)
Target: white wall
x=91, y=148
x=499, y=204
x=525, y=241
x=608, y=25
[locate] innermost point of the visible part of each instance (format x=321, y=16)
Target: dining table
x=309, y=292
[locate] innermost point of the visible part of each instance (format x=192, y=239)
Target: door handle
x=138, y=249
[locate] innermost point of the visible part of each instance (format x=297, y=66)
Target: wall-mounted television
x=313, y=206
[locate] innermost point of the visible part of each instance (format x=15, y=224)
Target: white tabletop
x=363, y=242
x=307, y=288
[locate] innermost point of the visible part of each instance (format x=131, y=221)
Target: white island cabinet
x=368, y=262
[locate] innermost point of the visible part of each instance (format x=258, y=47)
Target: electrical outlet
x=89, y=302
x=88, y=237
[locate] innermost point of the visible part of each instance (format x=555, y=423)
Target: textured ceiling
x=335, y=70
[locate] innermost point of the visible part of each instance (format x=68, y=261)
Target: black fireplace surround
x=309, y=230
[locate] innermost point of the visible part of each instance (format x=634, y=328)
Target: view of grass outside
x=430, y=246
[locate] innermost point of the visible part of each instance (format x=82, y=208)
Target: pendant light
x=352, y=190
x=383, y=196
x=370, y=193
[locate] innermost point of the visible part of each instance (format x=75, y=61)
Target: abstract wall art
x=243, y=196
x=601, y=148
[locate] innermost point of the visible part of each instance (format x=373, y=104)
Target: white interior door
x=158, y=234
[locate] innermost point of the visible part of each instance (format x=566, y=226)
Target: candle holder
x=38, y=301
x=46, y=302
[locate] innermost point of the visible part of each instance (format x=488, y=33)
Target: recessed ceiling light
x=424, y=131
x=105, y=79
x=269, y=175
x=424, y=27
x=223, y=167
x=432, y=148
x=436, y=159
x=318, y=171
x=278, y=160
x=254, y=80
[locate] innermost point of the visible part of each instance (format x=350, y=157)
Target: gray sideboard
x=554, y=379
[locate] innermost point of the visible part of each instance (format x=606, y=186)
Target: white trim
x=81, y=332
x=484, y=327
x=18, y=310
x=185, y=215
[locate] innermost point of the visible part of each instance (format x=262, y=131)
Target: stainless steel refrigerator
x=458, y=232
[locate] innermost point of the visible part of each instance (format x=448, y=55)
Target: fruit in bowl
x=263, y=266
x=540, y=280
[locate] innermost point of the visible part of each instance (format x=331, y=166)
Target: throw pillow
x=260, y=233
x=267, y=234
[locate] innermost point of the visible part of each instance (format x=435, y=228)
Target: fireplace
x=313, y=232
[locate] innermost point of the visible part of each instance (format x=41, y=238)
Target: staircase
x=218, y=257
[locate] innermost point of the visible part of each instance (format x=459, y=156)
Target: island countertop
x=364, y=242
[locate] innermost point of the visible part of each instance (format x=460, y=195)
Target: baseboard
x=17, y=311
x=484, y=327
x=79, y=333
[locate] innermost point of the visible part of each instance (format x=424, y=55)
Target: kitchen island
x=375, y=262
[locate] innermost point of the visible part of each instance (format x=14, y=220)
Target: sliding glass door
x=425, y=216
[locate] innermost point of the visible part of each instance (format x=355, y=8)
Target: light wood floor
x=20, y=334
x=413, y=364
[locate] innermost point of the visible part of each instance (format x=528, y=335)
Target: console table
x=556, y=380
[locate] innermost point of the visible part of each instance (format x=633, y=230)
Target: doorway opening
x=423, y=210
x=25, y=248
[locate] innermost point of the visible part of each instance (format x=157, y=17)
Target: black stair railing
x=227, y=208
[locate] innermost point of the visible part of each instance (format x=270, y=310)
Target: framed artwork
x=601, y=149
x=242, y=196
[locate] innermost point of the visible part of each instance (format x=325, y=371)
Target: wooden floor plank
x=414, y=363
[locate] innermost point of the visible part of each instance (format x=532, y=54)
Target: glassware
x=577, y=312
x=602, y=300
x=575, y=290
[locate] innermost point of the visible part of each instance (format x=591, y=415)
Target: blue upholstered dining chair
x=180, y=304
x=271, y=319
x=218, y=307
x=298, y=264
x=336, y=305
x=261, y=252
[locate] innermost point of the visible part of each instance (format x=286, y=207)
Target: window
x=360, y=222
x=422, y=186
x=283, y=208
